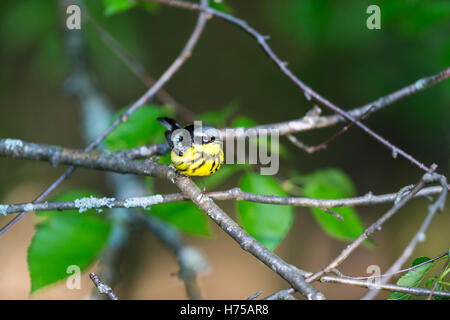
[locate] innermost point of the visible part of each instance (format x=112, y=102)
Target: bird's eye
x=213, y=139
x=180, y=138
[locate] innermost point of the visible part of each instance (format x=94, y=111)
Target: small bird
x=195, y=152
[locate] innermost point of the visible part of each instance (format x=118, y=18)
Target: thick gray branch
x=146, y=202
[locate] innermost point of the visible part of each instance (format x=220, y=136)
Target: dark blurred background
x=326, y=44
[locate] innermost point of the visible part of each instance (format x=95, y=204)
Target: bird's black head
x=180, y=139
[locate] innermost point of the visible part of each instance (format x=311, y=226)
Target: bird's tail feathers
x=169, y=124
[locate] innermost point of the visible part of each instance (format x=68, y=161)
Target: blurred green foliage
x=341, y=24
x=33, y=24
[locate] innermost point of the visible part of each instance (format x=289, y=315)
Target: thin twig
x=324, y=144
x=254, y=296
x=285, y=294
x=103, y=288
x=444, y=268
x=394, y=273
x=420, y=236
x=302, y=146
x=387, y=287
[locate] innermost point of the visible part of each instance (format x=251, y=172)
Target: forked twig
x=323, y=145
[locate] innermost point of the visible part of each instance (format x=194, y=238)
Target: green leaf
x=268, y=223
x=218, y=118
x=185, y=216
x=243, y=121
x=64, y=239
x=220, y=5
x=412, y=278
x=430, y=281
x=116, y=6
x=334, y=184
x=140, y=129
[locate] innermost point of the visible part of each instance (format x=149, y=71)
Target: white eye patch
x=181, y=139
x=208, y=135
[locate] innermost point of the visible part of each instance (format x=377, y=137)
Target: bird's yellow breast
x=199, y=160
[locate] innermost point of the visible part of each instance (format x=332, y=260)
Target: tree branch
x=145, y=202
